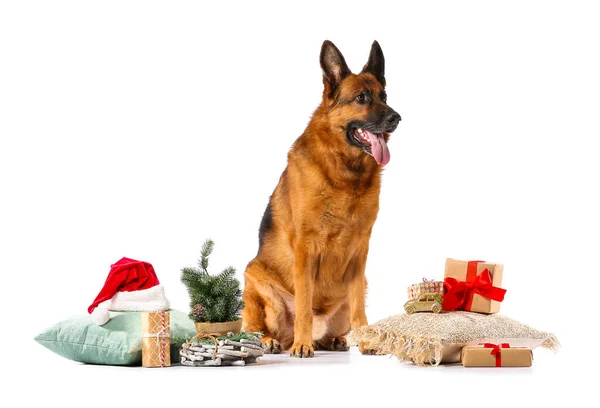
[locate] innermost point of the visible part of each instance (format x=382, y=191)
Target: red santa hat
x=131, y=286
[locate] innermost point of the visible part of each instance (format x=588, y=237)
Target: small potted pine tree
x=215, y=300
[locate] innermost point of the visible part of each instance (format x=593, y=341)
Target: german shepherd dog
x=306, y=288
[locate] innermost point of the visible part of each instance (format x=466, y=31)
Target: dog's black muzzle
x=389, y=120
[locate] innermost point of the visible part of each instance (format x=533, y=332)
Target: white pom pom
x=100, y=316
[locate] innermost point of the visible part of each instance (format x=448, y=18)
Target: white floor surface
x=328, y=379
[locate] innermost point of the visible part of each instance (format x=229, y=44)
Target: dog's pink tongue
x=379, y=148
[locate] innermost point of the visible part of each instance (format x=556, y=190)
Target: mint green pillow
x=118, y=342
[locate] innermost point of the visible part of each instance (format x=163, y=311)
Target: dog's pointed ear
x=376, y=63
x=334, y=67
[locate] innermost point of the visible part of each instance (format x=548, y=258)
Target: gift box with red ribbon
x=427, y=286
x=473, y=286
x=496, y=355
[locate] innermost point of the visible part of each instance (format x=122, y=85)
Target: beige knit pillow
x=430, y=338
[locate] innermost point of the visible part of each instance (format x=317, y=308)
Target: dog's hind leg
x=265, y=311
x=253, y=314
x=254, y=319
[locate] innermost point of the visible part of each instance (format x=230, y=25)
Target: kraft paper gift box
x=496, y=355
x=473, y=286
x=156, y=341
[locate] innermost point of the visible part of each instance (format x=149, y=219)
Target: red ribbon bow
x=497, y=351
x=459, y=294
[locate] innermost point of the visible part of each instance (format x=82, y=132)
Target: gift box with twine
x=156, y=333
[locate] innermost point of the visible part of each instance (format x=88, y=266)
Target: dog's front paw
x=302, y=350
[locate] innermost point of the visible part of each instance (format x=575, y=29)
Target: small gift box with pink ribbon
x=473, y=286
x=496, y=355
x=427, y=286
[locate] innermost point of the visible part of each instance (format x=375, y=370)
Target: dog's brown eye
x=361, y=98
x=384, y=96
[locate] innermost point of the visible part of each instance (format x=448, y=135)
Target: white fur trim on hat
x=146, y=300
x=100, y=316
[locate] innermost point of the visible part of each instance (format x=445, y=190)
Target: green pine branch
x=205, y=252
x=235, y=337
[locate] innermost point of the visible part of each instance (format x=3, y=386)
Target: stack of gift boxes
x=473, y=286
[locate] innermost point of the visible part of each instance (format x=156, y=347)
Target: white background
x=140, y=129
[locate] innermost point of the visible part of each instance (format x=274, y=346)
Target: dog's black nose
x=393, y=118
